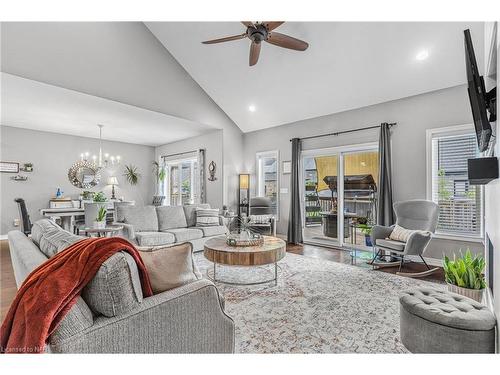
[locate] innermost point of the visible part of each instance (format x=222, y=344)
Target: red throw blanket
x=49, y=292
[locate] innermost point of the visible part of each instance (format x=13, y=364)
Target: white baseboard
x=3, y=237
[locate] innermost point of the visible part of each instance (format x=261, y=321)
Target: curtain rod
x=345, y=131
x=181, y=153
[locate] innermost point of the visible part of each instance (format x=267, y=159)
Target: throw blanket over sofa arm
x=188, y=319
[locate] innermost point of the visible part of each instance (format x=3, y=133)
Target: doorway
x=339, y=195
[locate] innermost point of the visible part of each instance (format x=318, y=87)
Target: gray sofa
x=112, y=316
x=152, y=226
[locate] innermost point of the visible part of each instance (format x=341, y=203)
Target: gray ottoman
x=437, y=321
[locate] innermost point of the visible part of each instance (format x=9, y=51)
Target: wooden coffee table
x=219, y=252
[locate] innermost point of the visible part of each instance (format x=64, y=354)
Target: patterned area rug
x=318, y=306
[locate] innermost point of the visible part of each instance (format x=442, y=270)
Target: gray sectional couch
x=112, y=316
x=152, y=226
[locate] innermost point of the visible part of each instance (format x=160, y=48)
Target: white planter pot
x=99, y=224
x=475, y=294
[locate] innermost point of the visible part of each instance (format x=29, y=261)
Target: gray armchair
x=261, y=206
x=419, y=215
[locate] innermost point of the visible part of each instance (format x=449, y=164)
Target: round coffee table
x=219, y=252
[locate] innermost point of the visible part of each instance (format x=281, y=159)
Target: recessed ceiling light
x=422, y=55
x=252, y=108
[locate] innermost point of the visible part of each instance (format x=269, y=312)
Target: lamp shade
x=244, y=181
x=112, y=180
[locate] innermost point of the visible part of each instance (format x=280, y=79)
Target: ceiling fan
x=263, y=31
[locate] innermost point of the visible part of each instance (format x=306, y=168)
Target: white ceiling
x=347, y=66
x=34, y=105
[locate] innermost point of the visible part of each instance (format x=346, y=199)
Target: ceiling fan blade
x=285, y=41
x=247, y=23
x=271, y=25
x=254, y=53
x=226, y=39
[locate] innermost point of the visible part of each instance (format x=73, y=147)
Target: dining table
x=66, y=214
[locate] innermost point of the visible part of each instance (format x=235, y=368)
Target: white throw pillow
x=401, y=234
x=207, y=217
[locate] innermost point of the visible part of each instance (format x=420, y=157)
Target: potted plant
x=366, y=229
x=100, y=221
x=99, y=197
x=464, y=275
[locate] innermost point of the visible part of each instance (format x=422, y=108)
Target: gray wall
x=212, y=143
x=414, y=115
x=52, y=155
x=121, y=61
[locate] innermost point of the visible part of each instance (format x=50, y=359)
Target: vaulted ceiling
x=347, y=65
x=155, y=83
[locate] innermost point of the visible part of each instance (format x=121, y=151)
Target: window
x=268, y=178
x=460, y=204
x=182, y=182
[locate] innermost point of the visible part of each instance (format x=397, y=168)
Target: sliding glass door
x=339, y=190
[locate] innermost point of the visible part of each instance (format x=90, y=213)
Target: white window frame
x=450, y=131
x=260, y=183
x=167, y=163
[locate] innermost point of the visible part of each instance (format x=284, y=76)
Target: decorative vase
x=368, y=240
x=99, y=224
x=475, y=294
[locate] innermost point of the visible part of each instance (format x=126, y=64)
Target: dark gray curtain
x=385, y=213
x=295, y=218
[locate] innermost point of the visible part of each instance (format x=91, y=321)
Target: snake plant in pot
x=100, y=220
x=465, y=275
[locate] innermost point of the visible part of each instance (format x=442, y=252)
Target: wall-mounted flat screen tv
x=477, y=95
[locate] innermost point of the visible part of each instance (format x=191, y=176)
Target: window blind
x=460, y=204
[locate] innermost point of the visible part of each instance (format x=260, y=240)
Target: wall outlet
x=16, y=222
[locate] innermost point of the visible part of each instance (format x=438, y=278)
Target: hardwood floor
x=8, y=284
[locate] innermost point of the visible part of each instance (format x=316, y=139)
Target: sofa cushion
x=154, y=238
x=170, y=267
x=171, y=217
x=390, y=244
x=185, y=234
x=115, y=288
x=142, y=218
x=40, y=227
x=51, y=238
x=190, y=212
x=213, y=231
x=207, y=217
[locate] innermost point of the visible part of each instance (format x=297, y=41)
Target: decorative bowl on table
x=244, y=239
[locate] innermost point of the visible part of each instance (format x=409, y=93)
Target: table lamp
x=113, y=181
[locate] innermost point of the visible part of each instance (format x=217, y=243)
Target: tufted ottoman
x=437, y=321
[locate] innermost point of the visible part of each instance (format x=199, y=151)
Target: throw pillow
x=207, y=217
x=170, y=266
x=401, y=234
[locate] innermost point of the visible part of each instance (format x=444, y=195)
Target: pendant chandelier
x=101, y=160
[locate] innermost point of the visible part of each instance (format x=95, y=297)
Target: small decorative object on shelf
x=27, y=167
x=19, y=178
x=465, y=275
x=9, y=167
x=211, y=171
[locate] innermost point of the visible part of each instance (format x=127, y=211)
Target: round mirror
x=84, y=174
